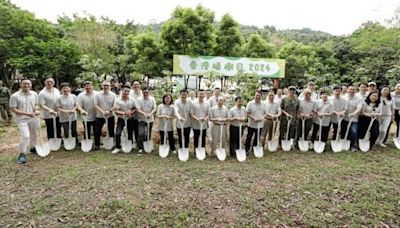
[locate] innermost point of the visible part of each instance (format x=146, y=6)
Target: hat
x=291, y=87
x=371, y=83
x=337, y=87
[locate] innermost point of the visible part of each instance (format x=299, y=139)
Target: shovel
x=240, y=153
x=163, y=150
x=55, y=143
x=319, y=146
x=303, y=144
x=70, y=142
x=344, y=143
x=272, y=145
x=183, y=153
x=87, y=143
x=258, y=150
x=221, y=155
x=126, y=144
x=148, y=145
x=336, y=144
x=364, y=144
x=200, y=151
x=286, y=143
x=108, y=142
x=397, y=140
x=43, y=149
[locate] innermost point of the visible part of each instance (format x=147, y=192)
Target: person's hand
x=85, y=113
x=148, y=115
x=181, y=119
x=37, y=112
x=52, y=112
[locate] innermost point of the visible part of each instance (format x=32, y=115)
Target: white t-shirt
x=199, y=109
x=86, y=102
x=48, y=98
x=146, y=105
x=24, y=102
x=124, y=105
x=168, y=110
x=104, y=101
x=257, y=111
x=184, y=111
x=67, y=102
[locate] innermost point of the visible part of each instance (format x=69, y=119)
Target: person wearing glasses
x=145, y=107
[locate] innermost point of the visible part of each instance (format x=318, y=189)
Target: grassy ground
x=283, y=188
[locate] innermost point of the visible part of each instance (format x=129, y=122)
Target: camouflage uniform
x=290, y=106
x=4, y=104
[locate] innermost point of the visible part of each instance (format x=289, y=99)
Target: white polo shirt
x=24, y=102
x=48, y=98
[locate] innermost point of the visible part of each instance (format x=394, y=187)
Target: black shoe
x=22, y=159
x=97, y=148
x=33, y=151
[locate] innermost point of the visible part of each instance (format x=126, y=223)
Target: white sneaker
x=116, y=151
x=382, y=145
x=174, y=151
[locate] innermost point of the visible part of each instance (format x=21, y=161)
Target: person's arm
x=58, y=108
x=79, y=107
x=43, y=106
x=97, y=107
x=154, y=107
x=159, y=112
x=279, y=112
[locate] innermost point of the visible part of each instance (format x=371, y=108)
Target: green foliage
x=229, y=39
x=257, y=47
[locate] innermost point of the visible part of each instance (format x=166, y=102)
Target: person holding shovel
x=47, y=100
x=124, y=107
x=307, y=110
x=166, y=114
x=182, y=107
x=25, y=104
x=85, y=105
x=218, y=116
x=255, y=113
x=322, y=117
x=146, y=107
x=371, y=108
x=273, y=112
x=199, y=112
x=104, y=102
x=353, y=109
x=290, y=108
x=237, y=116
x=66, y=105
x=339, y=109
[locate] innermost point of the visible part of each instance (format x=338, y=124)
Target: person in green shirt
x=4, y=103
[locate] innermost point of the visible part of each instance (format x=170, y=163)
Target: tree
x=257, y=47
x=229, y=39
x=145, y=54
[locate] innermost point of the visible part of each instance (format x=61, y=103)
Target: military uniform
x=4, y=104
x=290, y=106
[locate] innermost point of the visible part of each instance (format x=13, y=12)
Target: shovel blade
x=286, y=145
x=303, y=145
x=108, y=143
x=86, y=145
x=258, y=151
x=336, y=146
x=43, y=150
x=55, y=144
x=221, y=155
x=70, y=143
x=126, y=147
x=183, y=154
x=319, y=147
x=272, y=145
x=345, y=144
x=241, y=155
x=148, y=146
x=397, y=142
x=163, y=151
x=364, y=145
x=201, y=153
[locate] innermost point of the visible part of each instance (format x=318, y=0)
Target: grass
x=286, y=189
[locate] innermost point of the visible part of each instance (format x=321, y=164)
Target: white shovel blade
x=258, y=151
x=241, y=155
x=69, y=143
x=303, y=145
x=345, y=144
x=108, y=143
x=148, y=146
x=183, y=154
x=163, y=150
x=272, y=145
x=126, y=146
x=319, y=147
x=86, y=145
x=286, y=145
x=363, y=144
x=43, y=150
x=397, y=142
x=201, y=153
x=221, y=155
x=336, y=146
x=55, y=144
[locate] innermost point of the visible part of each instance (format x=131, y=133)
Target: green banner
x=228, y=66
